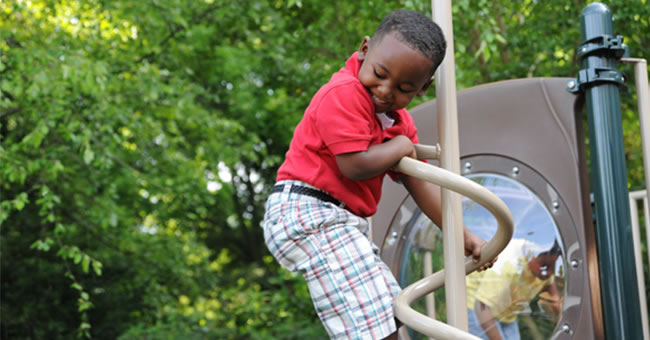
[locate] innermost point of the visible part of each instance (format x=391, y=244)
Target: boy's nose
x=385, y=92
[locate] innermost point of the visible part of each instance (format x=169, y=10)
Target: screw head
x=571, y=84
x=515, y=171
x=467, y=167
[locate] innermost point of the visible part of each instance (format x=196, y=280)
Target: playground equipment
x=525, y=140
x=477, y=193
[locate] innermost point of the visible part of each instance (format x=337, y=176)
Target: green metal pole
x=600, y=80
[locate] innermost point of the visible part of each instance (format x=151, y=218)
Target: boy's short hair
x=416, y=30
x=554, y=251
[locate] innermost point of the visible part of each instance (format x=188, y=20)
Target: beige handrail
x=427, y=151
x=638, y=258
x=482, y=196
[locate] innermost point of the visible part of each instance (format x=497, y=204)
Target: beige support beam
x=643, y=102
x=638, y=258
x=643, y=105
x=452, y=214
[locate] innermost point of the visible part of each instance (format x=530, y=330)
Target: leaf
x=85, y=264
x=113, y=220
x=97, y=267
x=59, y=228
x=36, y=136
x=33, y=91
x=42, y=245
x=43, y=130
x=66, y=71
x=19, y=204
x=84, y=305
x=89, y=155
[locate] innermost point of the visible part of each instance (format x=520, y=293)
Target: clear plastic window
x=521, y=296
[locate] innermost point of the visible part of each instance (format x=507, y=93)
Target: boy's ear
x=425, y=87
x=363, y=49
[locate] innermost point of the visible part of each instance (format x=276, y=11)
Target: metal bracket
x=610, y=45
x=595, y=75
x=603, y=46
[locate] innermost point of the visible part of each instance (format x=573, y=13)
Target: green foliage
x=139, y=140
x=253, y=302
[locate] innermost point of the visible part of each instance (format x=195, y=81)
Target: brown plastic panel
x=528, y=122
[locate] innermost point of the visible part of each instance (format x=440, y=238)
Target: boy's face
x=393, y=72
x=543, y=266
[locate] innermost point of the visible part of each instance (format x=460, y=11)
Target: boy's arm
x=428, y=197
x=556, y=299
x=486, y=320
x=376, y=160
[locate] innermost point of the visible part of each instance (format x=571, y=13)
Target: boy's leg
x=510, y=330
x=352, y=289
x=474, y=325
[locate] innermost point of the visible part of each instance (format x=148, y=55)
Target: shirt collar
x=353, y=65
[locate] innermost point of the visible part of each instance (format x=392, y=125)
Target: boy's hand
x=473, y=246
x=406, y=145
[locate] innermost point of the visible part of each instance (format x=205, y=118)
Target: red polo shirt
x=341, y=119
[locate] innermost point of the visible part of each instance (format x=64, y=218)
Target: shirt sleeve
x=342, y=119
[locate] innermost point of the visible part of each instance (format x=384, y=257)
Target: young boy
x=354, y=130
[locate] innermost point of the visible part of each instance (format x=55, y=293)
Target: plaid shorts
x=352, y=289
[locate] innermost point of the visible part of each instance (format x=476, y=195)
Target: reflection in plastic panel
x=521, y=296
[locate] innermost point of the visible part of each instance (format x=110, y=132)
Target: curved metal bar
x=482, y=196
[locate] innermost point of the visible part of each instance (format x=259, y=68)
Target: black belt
x=302, y=190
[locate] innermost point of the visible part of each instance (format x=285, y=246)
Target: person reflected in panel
x=497, y=296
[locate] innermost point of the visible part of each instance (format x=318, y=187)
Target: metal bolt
x=571, y=84
x=566, y=328
x=394, y=234
x=468, y=167
x=556, y=206
x=515, y=171
x=574, y=264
